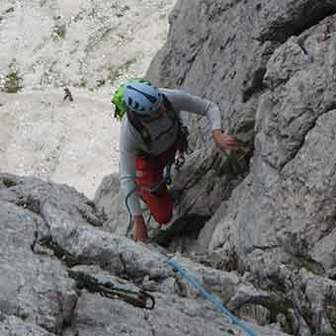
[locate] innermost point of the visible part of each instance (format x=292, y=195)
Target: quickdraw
x=183, y=147
x=107, y=289
x=138, y=299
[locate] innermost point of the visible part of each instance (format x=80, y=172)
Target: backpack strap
x=182, y=143
x=141, y=128
x=172, y=114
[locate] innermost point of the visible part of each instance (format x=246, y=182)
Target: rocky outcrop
x=50, y=233
x=271, y=67
x=109, y=200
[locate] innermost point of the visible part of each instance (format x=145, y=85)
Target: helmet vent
x=142, y=97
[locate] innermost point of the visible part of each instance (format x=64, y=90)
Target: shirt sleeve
x=184, y=101
x=127, y=172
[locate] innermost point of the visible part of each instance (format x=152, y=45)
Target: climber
x=151, y=134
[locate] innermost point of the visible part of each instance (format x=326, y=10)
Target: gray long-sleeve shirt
x=131, y=142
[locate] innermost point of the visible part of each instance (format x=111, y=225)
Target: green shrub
x=60, y=31
x=12, y=83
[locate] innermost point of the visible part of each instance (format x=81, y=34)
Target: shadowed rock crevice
x=257, y=85
x=281, y=32
x=8, y=182
x=307, y=15
x=186, y=227
x=59, y=252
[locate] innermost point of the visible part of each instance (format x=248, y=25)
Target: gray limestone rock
x=270, y=65
x=51, y=233
x=268, y=249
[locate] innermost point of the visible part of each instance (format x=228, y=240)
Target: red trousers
x=149, y=173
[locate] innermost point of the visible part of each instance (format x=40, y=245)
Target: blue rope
x=212, y=298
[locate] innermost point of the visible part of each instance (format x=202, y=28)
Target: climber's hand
x=139, y=229
x=225, y=141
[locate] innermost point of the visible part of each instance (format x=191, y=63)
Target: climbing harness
x=166, y=181
x=107, y=289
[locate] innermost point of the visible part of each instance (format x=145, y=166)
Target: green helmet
x=118, y=97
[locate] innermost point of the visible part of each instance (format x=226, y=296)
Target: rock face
x=51, y=232
x=266, y=215
x=271, y=67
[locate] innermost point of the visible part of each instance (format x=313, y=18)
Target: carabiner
x=147, y=297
